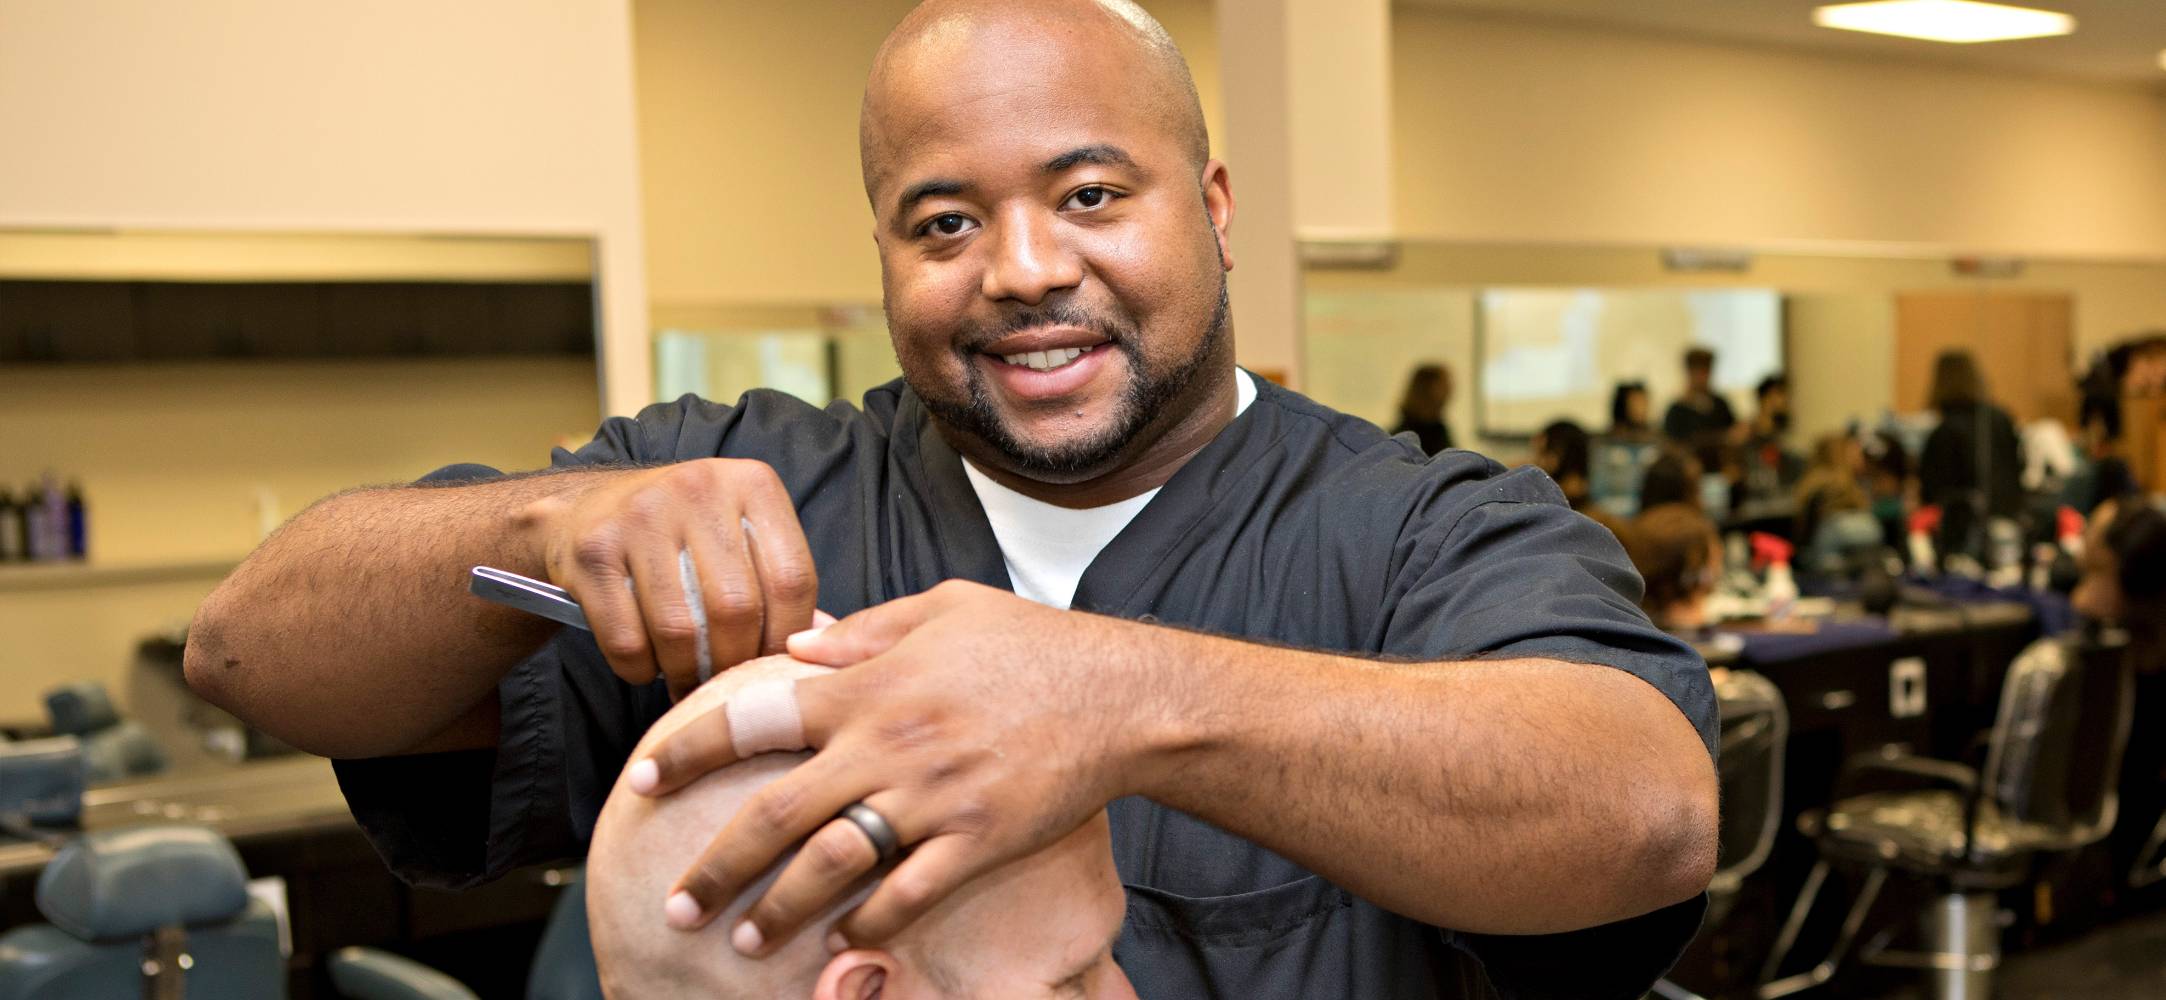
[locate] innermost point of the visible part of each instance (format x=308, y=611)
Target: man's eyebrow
x=1102, y=155
x=938, y=187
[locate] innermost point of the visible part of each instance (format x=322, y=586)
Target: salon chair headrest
x=119, y=884
x=80, y=709
x=41, y=781
x=120, y=752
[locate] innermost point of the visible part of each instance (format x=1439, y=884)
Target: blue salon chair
x=165, y=911
x=114, y=749
x=563, y=966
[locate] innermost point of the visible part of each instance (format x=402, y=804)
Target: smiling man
x=1365, y=723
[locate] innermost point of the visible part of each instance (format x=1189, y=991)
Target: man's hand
x=982, y=726
x=616, y=549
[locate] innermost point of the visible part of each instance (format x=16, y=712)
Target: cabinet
x=161, y=321
x=43, y=321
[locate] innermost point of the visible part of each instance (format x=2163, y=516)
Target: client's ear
x=857, y=974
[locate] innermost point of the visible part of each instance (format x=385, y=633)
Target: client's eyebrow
x=1072, y=985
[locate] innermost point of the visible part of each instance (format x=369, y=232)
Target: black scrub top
x=1297, y=525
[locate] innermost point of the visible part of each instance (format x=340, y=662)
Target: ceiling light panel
x=1958, y=21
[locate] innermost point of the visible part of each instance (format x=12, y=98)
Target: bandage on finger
x=764, y=718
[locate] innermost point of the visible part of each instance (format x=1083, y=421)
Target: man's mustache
x=976, y=336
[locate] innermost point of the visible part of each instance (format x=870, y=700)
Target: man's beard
x=1143, y=399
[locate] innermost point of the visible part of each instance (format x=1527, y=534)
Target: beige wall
x=183, y=465
x=748, y=146
x=482, y=116
x=62, y=634
x=1522, y=130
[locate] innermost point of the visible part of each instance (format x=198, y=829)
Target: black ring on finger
x=876, y=828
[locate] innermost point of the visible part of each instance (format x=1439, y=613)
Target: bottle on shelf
x=78, y=522
x=48, y=520
x=13, y=546
x=35, y=524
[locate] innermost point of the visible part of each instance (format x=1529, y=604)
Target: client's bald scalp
x=930, y=59
x=641, y=844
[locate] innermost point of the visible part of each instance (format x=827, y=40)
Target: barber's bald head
x=946, y=48
x=1037, y=928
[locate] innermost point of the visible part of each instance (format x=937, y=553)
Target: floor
x=2123, y=961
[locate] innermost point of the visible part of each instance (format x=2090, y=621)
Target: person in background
x=1770, y=467
x=1831, y=485
x=1677, y=552
x=1972, y=464
x=1701, y=419
x=2123, y=583
x=2143, y=373
x=1629, y=412
x=1888, y=487
x=1771, y=422
x=1562, y=450
x=1673, y=478
x=1565, y=451
x=1421, y=408
x=2124, y=575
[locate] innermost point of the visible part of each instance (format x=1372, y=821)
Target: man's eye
x=945, y=224
x=1089, y=197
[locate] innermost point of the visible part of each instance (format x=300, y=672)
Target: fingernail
x=836, y=943
x=746, y=939
x=643, y=776
x=807, y=635
x=682, y=911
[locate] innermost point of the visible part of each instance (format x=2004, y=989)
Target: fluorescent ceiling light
x=1959, y=21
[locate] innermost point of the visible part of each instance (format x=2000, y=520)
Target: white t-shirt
x=1048, y=547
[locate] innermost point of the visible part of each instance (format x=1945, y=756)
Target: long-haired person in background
x=1421, y=408
x=1629, y=411
x=1972, y=464
x=1563, y=450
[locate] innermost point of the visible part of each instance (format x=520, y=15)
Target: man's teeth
x=1046, y=360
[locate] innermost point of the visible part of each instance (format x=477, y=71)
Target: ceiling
x=2116, y=41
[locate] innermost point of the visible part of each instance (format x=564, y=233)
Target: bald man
x=1364, y=723
x=1038, y=928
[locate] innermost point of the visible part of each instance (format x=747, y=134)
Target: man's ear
x=1218, y=205
x=857, y=974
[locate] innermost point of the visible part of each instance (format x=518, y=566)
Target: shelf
x=74, y=575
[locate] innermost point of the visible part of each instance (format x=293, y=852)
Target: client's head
x=1039, y=927
x=1675, y=548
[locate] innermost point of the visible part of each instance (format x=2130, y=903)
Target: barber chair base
x=1962, y=927
x=2150, y=866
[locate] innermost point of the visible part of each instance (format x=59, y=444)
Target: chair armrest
x=1945, y=773
x=369, y=974
x=1960, y=778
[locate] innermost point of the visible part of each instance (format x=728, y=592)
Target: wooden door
x=2022, y=341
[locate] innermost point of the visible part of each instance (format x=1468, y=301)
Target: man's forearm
x=1507, y=796
x=349, y=632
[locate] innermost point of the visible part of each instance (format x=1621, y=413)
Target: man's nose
x=1029, y=259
